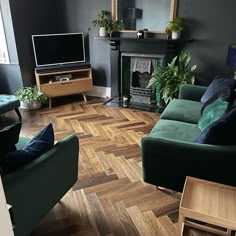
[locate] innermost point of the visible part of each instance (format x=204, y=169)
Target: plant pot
x=34, y=105
x=103, y=32
x=175, y=34
x=159, y=97
x=24, y=105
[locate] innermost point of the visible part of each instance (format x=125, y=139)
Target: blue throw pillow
x=217, y=85
x=38, y=145
x=221, y=132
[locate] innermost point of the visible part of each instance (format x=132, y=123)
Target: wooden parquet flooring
x=110, y=197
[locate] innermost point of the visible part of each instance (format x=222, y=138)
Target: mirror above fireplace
x=152, y=15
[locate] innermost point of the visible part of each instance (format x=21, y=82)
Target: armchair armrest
x=192, y=92
x=167, y=162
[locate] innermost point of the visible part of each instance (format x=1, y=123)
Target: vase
x=102, y=32
x=175, y=35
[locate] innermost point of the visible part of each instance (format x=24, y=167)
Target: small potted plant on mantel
x=176, y=26
x=30, y=97
x=103, y=23
x=107, y=26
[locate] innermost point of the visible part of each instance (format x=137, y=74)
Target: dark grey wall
x=79, y=15
x=10, y=74
x=211, y=23
x=34, y=17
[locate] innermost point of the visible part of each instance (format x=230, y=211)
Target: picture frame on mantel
x=173, y=13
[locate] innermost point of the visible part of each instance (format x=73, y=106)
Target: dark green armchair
x=34, y=189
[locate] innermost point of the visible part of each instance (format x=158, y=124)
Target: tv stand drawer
x=67, y=87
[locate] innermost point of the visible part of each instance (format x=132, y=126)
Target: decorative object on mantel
x=140, y=34
x=172, y=76
x=175, y=26
x=30, y=97
x=103, y=23
x=231, y=57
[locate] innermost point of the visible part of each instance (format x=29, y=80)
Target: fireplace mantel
x=146, y=40
x=150, y=45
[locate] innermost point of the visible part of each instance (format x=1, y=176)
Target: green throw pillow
x=212, y=113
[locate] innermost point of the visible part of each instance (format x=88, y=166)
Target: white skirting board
x=99, y=91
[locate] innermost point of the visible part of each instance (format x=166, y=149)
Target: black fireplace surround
x=159, y=44
x=118, y=45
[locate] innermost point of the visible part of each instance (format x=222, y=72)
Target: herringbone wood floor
x=110, y=197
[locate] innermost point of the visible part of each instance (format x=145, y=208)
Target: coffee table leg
x=181, y=224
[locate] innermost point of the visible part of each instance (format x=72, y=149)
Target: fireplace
x=136, y=71
x=124, y=46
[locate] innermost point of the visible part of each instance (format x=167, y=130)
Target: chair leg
x=18, y=113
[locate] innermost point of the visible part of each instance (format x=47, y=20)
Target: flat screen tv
x=58, y=49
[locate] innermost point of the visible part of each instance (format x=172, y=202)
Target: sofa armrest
x=167, y=162
x=192, y=92
x=34, y=189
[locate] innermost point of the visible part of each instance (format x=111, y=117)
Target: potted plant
x=30, y=97
x=103, y=23
x=173, y=75
x=118, y=25
x=176, y=26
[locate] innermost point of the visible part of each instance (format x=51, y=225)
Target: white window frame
x=4, y=56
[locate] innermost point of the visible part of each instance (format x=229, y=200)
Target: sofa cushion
x=38, y=145
x=175, y=130
x=221, y=132
x=216, y=85
x=212, y=113
x=183, y=110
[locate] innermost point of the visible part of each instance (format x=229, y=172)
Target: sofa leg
x=18, y=113
x=172, y=192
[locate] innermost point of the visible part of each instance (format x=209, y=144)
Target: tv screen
x=54, y=49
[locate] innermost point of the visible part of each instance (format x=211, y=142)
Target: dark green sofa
x=34, y=189
x=169, y=153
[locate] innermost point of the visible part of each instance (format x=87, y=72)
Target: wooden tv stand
x=64, y=82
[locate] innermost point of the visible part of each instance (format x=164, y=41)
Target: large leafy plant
x=29, y=94
x=173, y=75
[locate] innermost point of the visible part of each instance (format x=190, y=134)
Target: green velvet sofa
x=169, y=153
x=34, y=189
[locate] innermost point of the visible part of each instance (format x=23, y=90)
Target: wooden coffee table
x=208, y=206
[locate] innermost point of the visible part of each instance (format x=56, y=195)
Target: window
x=4, y=57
